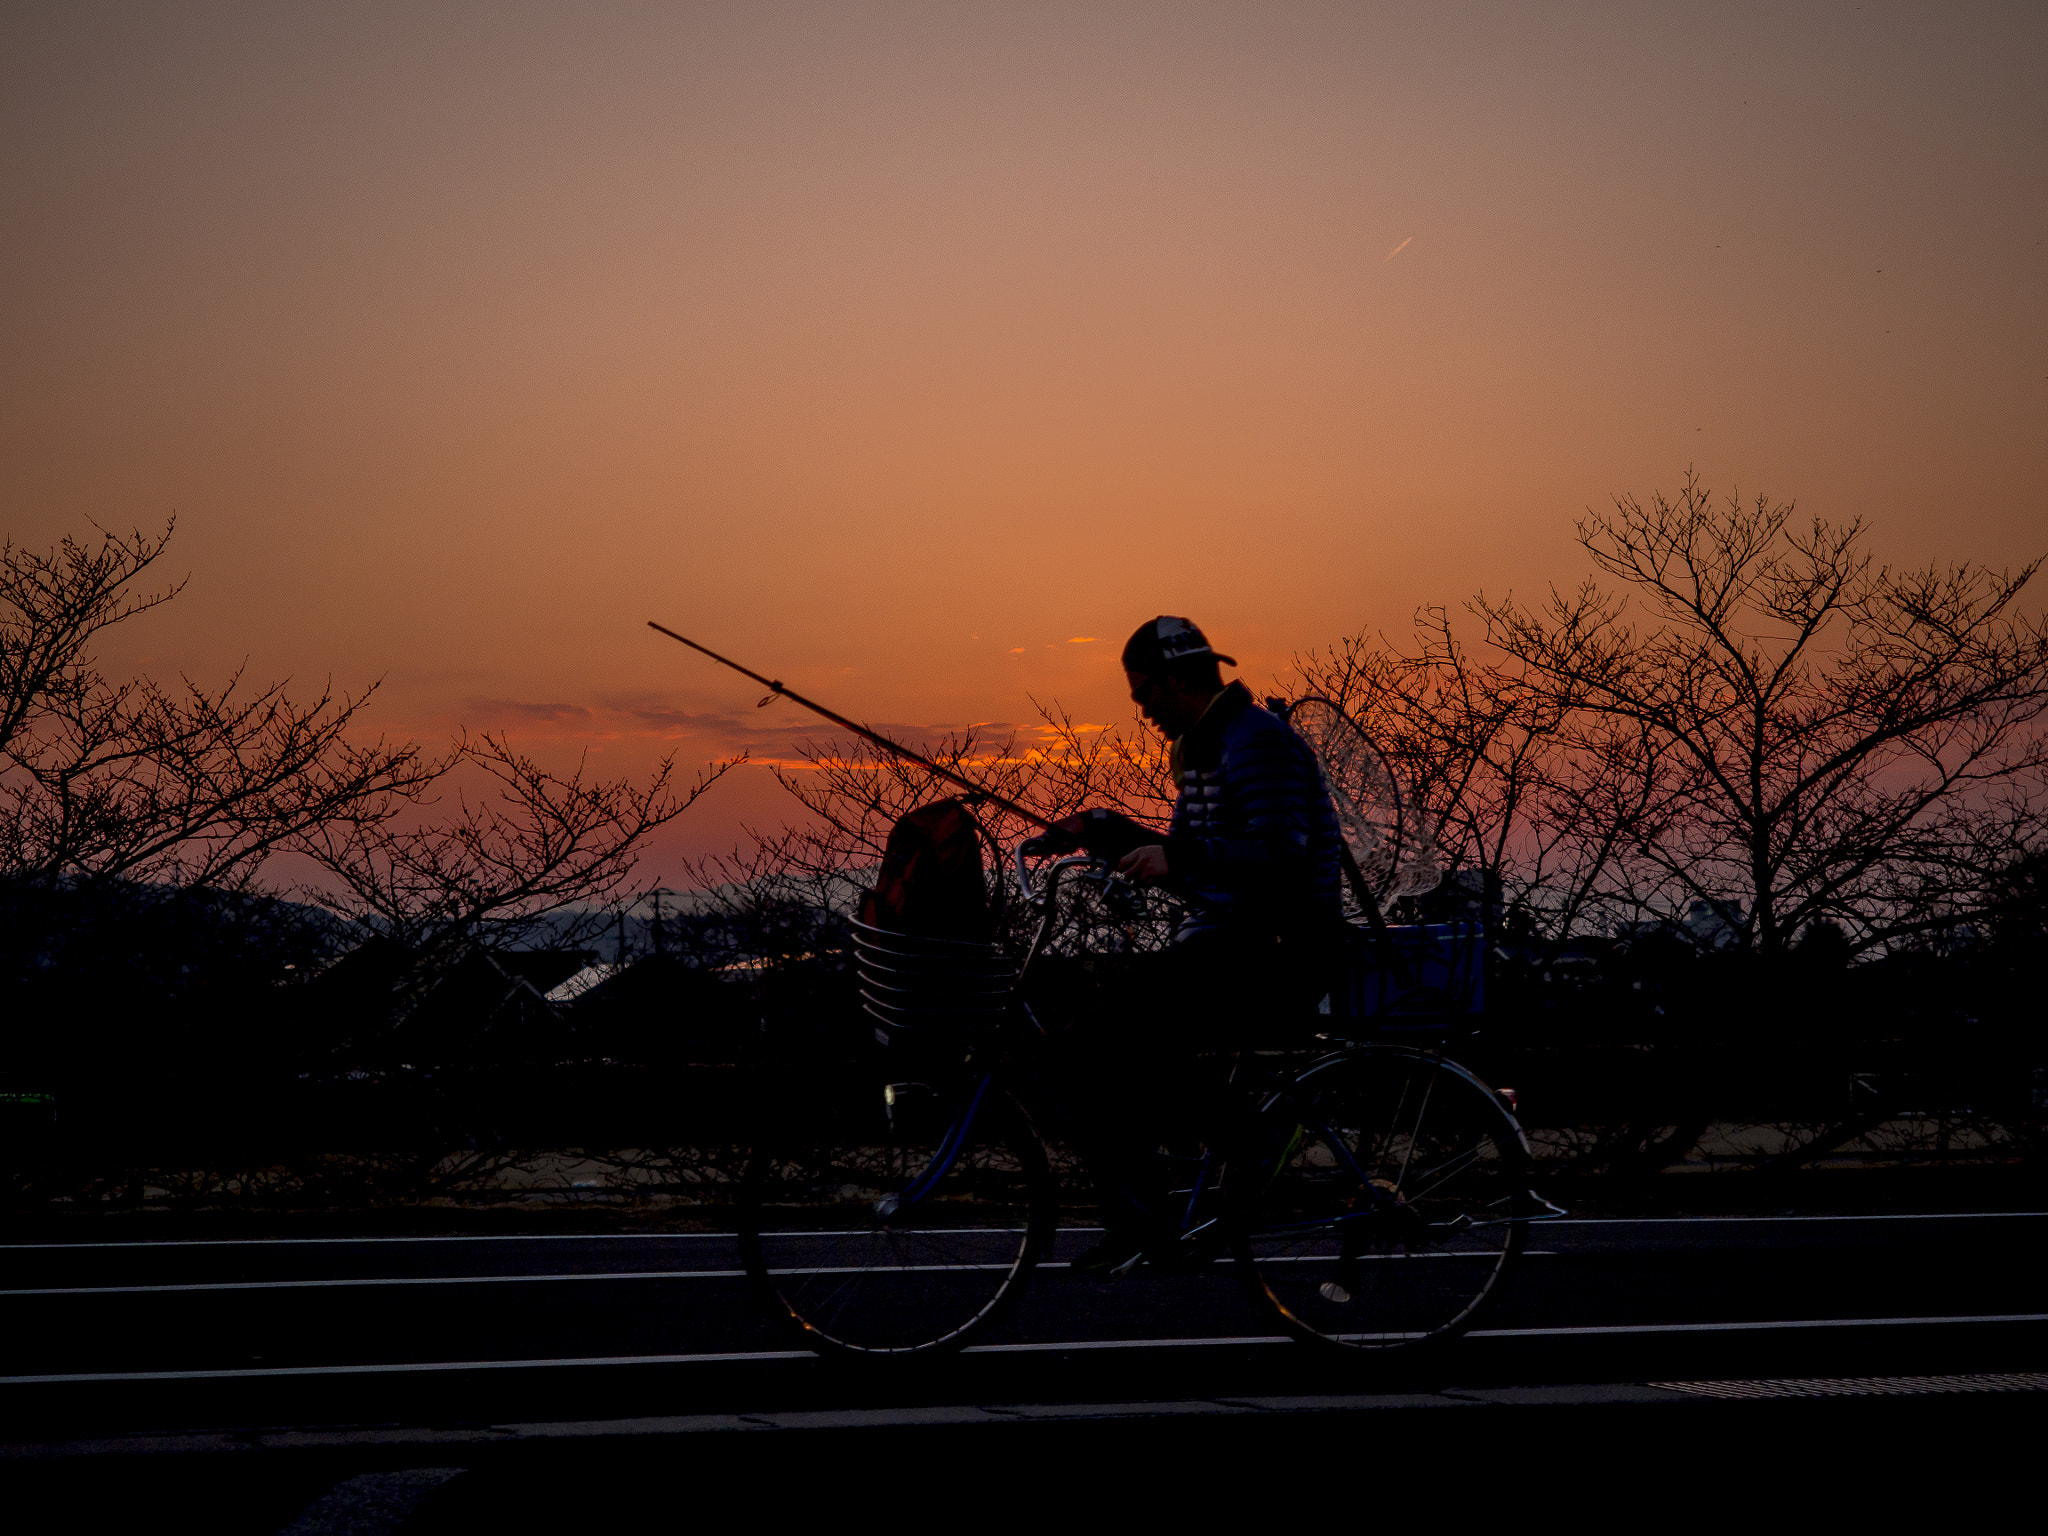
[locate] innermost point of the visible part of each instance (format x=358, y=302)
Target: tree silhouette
x=132, y=780
x=1817, y=736
x=105, y=781
x=533, y=844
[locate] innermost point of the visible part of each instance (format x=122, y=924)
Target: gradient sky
x=893, y=348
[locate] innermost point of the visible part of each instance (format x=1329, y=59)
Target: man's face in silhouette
x=1171, y=705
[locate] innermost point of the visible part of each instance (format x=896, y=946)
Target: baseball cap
x=1164, y=640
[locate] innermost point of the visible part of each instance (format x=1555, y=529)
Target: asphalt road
x=618, y=1358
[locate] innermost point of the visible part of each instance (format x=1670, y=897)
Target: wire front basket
x=925, y=991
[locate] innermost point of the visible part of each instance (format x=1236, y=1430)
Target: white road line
x=151, y=1244
x=1047, y=1347
x=372, y=1281
x=1860, y=1386
x=1491, y=1255
x=316, y=1242
x=1056, y=1346
x=669, y=1237
x=405, y=1368
x=1795, y=1322
x=448, y=1440
x=300, y=1285
x=1679, y=1221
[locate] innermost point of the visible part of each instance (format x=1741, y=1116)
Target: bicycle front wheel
x=1391, y=1203
x=908, y=1225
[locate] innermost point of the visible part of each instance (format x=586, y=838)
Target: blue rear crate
x=1436, y=969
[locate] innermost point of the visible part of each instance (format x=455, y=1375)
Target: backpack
x=930, y=883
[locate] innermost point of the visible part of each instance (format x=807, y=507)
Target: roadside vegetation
x=1755, y=824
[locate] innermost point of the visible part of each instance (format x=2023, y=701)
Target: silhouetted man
x=1253, y=847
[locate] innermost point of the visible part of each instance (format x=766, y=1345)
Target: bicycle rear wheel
x=907, y=1224
x=1386, y=1215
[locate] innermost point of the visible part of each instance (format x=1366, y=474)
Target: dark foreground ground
x=615, y=1381
x=1675, y=1465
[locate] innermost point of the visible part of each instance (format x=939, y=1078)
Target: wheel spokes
x=959, y=1233
x=1402, y=1163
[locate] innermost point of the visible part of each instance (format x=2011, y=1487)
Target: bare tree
x=51, y=606
x=1481, y=748
x=103, y=779
x=1816, y=736
x=536, y=844
x=1762, y=718
x=106, y=781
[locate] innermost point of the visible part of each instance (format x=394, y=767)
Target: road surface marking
x=1795, y=1322
x=1661, y=1221
x=1858, y=1386
x=150, y=1243
x=670, y=1237
x=242, y=1442
x=336, y=1282
x=1047, y=1347
x=300, y=1285
x=408, y=1368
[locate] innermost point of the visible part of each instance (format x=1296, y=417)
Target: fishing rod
x=775, y=688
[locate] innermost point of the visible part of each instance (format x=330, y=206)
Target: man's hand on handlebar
x=1061, y=837
x=1106, y=834
x=1145, y=865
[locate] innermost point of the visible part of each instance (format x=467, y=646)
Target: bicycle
x=1376, y=1200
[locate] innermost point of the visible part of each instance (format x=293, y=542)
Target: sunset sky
x=895, y=349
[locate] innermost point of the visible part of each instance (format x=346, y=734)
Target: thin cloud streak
x=1397, y=250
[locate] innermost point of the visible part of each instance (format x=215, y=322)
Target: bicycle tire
x=854, y=1268
x=1417, y=1259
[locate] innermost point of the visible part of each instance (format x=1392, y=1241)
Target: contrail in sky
x=1397, y=250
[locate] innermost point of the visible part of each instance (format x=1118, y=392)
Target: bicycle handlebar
x=1040, y=894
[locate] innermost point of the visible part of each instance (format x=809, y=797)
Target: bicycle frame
x=1042, y=894
x=914, y=1224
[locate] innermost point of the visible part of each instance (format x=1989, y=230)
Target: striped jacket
x=1253, y=836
